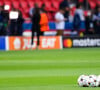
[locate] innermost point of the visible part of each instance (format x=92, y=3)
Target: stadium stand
x=51, y=5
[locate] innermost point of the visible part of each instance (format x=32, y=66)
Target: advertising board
x=24, y=43
x=69, y=42
x=2, y=43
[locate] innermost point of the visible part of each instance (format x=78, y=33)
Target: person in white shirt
x=60, y=21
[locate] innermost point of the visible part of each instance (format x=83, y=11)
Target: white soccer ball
x=99, y=80
x=93, y=81
x=83, y=81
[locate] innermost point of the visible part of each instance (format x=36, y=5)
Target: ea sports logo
x=67, y=43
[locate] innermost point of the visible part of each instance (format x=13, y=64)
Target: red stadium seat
x=31, y=3
x=92, y=4
x=38, y=0
x=55, y=4
x=24, y=4
x=48, y=5
x=16, y=4
x=24, y=8
x=80, y=1
x=39, y=3
x=25, y=12
x=1, y=3
x=98, y=2
x=8, y=2
x=51, y=5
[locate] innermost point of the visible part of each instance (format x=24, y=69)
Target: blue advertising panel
x=2, y=43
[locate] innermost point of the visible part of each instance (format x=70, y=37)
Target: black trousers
x=19, y=30
x=13, y=28
x=2, y=30
x=35, y=28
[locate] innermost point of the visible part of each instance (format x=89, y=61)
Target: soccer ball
x=89, y=81
x=93, y=81
x=99, y=80
x=83, y=81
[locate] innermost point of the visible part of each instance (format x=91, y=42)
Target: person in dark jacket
x=89, y=23
x=15, y=24
x=43, y=8
x=97, y=20
x=12, y=25
x=36, y=24
x=19, y=23
x=2, y=28
x=65, y=4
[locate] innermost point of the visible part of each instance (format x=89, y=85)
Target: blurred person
x=80, y=11
x=6, y=18
x=16, y=22
x=60, y=21
x=2, y=28
x=36, y=17
x=19, y=23
x=86, y=5
x=43, y=8
x=70, y=18
x=44, y=22
x=97, y=20
x=89, y=23
x=78, y=17
x=31, y=11
x=65, y=4
x=12, y=23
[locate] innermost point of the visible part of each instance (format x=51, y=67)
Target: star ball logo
x=67, y=43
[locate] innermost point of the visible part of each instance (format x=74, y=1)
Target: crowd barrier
x=47, y=42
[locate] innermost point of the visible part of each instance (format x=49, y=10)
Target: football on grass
x=89, y=81
x=83, y=81
x=99, y=80
x=93, y=81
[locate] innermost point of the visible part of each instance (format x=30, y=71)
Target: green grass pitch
x=47, y=69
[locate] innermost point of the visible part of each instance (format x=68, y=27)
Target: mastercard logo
x=67, y=43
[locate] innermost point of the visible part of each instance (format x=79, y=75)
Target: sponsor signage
x=24, y=43
x=21, y=43
x=14, y=43
x=81, y=42
x=50, y=42
x=2, y=43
